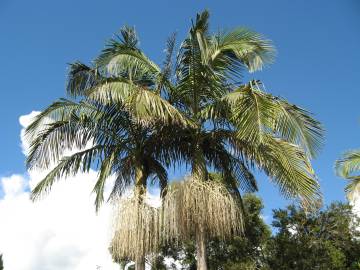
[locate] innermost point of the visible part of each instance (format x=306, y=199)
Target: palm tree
x=212, y=122
x=346, y=167
x=117, y=138
x=236, y=126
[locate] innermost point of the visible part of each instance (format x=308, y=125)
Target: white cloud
x=25, y=120
x=61, y=231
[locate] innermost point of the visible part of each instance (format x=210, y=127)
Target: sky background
x=317, y=66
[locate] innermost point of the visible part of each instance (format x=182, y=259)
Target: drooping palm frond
x=144, y=105
x=69, y=165
x=348, y=164
x=255, y=112
x=217, y=150
x=287, y=165
x=56, y=130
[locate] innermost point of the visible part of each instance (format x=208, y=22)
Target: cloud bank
x=60, y=231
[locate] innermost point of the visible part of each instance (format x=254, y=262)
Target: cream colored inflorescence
x=136, y=229
x=140, y=229
x=194, y=204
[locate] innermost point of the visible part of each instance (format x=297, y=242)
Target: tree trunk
x=140, y=263
x=201, y=249
x=140, y=190
x=199, y=172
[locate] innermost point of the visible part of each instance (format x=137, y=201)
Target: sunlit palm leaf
x=348, y=167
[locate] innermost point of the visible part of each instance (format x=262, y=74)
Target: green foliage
x=251, y=246
x=325, y=239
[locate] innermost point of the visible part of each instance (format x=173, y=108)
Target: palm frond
x=70, y=165
x=241, y=47
x=122, y=55
x=255, y=112
x=348, y=167
x=159, y=172
x=287, y=165
x=348, y=164
x=80, y=78
x=104, y=173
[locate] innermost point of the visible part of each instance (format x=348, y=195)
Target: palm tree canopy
x=208, y=118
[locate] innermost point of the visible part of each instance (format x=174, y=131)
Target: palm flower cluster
x=132, y=119
x=193, y=204
x=137, y=229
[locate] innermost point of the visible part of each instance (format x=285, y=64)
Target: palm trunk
x=201, y=249
x=140, y=263
x=140, y=187
x=200, y=173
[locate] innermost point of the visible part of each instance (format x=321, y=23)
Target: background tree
x=246, y=252
x=1, y=262
x=325, y=239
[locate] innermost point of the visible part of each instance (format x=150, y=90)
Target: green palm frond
x=159, y=173
x=255, y=113
x=348, y=167
x=230, y=51
x=77, y=126
x=287, y=165
x=298, y=126
x=80, y=78
x=121, y=55
x=144, y=104
x=218, y=152
x=55, y=112
x=70, y=165
x=104, y=172
x=348, y=164
x=353, y=186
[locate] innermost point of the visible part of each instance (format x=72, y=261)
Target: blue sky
x=317, y=66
